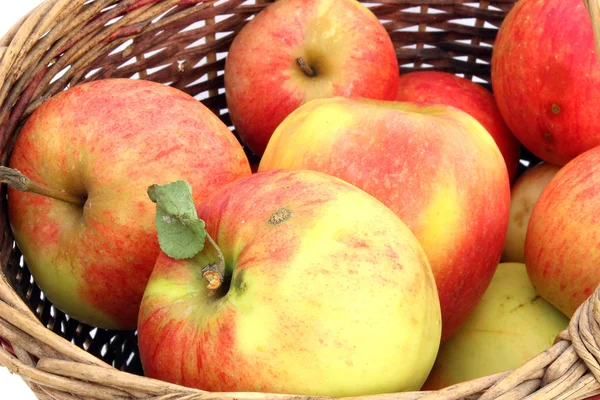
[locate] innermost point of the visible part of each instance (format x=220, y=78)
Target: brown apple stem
x=214, y=273
x=305, y=67
x=18, y=181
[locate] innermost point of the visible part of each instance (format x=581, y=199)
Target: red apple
x=345, y=48
x=325, y=292
x=546, y=78
x=562, y=245
x=435, y=166
x=98, y=146
x=445, y=88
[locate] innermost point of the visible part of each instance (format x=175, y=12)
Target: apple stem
x=306, y=68
x=214, y=273
x=18, y=181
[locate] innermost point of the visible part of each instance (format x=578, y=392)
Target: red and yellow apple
x=326, y=292
x=297, y=50
x=524, y=193
x=435, y=166
x=546, y=78
x=98, y=146
x=562, y=244
x=437, y=87
x=511, y=325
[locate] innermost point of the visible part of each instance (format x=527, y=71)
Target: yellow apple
x=524, y=194
x=325, y=292
x=435, y=166
x=511, y=325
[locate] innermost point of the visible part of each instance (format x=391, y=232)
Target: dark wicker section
x=117, y=348
x=183, y=43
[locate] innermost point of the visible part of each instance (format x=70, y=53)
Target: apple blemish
x=279, y=216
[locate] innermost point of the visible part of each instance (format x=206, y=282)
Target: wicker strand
x=10, y=34
x=521, y=391
x=581, y=338
x=53, y=16
x=116, y=378
x=522, y=373
x=25, y=358
x=48, y=379
x=23, y=41
x=23, y=340
x=558, y=386
x=13, y=120
x=60, y=27
x=19, y=35
x=563, y=363
x=53, y=394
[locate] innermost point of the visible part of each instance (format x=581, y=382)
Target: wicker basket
x=62, y=43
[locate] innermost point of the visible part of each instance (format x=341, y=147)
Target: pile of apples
x=385, y=242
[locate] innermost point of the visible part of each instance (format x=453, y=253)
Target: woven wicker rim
x=55, y=368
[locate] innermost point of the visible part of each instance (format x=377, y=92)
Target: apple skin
x=511, y=325
x=546, y=78
x=349, y=48
x=437, y=87
x=524, y=193
x=563, y=236
x=435, y=166
x=109, y=140
x=339, y=299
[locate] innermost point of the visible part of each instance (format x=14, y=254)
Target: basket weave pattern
x=183, y=43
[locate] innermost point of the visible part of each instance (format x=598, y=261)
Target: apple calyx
x=17, y=180
x=307, y=69
x=181, y=234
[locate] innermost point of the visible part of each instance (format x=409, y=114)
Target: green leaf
x=180, y=233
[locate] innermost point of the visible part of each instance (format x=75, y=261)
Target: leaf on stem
x=180, y=233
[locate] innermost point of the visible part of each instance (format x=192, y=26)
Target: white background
x=12, y=386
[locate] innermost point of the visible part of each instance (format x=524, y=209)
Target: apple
x=511, y=325
x=546, y=78
x=94, y=149
x=562, y=244
x=524, y=193
x=435, y=166
x=438, y=87
x=324, y=292
x=297, y=50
